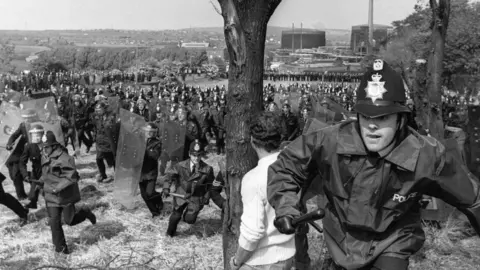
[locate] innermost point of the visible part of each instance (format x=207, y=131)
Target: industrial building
x=303, y=39
x=359, y=37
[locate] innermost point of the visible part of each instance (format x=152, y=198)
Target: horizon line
x=154, y=30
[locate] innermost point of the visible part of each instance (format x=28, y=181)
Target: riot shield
x=129, y=160
x=323, y=114
x=335, y=107
x=173, y=140
x=113, y=104
x=10, y=119
x=45, y=107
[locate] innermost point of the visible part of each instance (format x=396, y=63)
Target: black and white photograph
x=240, y=134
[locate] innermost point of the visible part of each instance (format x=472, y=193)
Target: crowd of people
x=90, y=116
x=34, y=81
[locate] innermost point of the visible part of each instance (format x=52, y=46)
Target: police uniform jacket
x=106, y=130
x=291, y=124
x=18, y=151
x=150, y=161
x=195, y=185
x=145, y=113
x=373, y=204
x=60, y=178
x=80, y=115
x=33, y=153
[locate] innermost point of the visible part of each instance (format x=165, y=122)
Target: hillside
x=131, y=239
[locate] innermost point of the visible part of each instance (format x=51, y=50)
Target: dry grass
x=124, y=239
x=120, y=240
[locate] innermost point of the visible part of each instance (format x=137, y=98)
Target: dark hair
x=266, y=130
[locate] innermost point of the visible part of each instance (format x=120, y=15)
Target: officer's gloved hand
x=284, y=225
x=166, y=192
x=9, y=147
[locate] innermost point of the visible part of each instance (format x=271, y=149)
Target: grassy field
x=26, y=50
x=131, y=239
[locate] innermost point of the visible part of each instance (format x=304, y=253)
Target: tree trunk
x=440, y=18
x=245, y=27
x=420, y=96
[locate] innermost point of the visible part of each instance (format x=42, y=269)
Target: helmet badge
x=375, y=88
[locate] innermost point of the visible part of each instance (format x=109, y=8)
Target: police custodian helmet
x=381, y=92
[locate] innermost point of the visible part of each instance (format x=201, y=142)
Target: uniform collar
x=405, y=155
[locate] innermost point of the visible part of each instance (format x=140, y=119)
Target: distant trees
x=117, y=58
x=412, y=39
x=7, y=53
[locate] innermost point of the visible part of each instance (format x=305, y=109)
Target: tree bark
x=245, y=27
x=440, y=18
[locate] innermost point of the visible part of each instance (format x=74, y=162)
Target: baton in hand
x=309, y=217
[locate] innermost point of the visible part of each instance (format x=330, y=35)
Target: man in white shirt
x=261, y=245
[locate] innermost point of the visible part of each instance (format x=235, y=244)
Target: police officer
x=60, y=181
x=149, y=174
x=193, y=179
x=290, y=123
x=13, y=162
x=106, y=144
x=80, y=119
x=142, y=109
x=33, y=152
x=373, y=171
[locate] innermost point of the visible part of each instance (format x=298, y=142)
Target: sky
x=178, y=14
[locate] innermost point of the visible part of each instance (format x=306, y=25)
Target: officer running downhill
x=148, y=179
x=33, y=152
x=374, y=172
x=13, y=162
x=193, y=179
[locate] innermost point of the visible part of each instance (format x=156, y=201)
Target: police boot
x=173, y=223
x=91, y=216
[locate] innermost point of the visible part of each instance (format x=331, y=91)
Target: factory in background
x=303, y=39
x=359, y=37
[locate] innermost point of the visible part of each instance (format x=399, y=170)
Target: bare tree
x=245, y=27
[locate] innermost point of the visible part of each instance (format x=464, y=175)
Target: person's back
x=260, y=243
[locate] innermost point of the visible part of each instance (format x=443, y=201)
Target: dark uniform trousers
x=109, y=158
x=32, y=152
x=13, y=164
x=152, y=198
x=10, y=201
x=16, y=176
x=82, y=138
x=188, y=211
x=71, y=218
x=195, y=184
